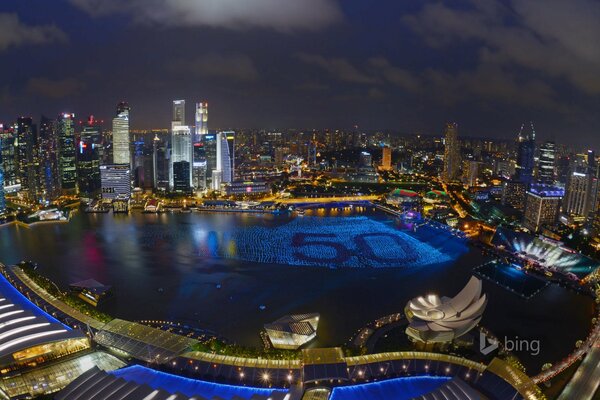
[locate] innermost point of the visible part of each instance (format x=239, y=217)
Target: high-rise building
x=27, y=157
x=160, y=163
x=2, y=199
x=514, y=193
x=542, y=206
x=365, y=160
x=115, y=181
x=525, y=154
x=201, y=121
x=88, y=158
x=451, y=153
x=225, y=159
x=199, y=166
x=8, y=155
x=178, y=113
x=470, y=172
x=181, y=177
x=210, y=153
x=67, y=154
x=581, y=195
x=547, y=163
x=386, y=158
x=49, y=186
x=120, y=134
x=181, y=149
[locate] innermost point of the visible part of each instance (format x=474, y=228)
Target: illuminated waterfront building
x=67, y=154
x=451, y=153
x=115, y=181
x=201, y=120
x=209, y=142
x=198, y=166
x=225, y=159
x=181, y=177
x=7, y=158
x=27, y=156
x=120, y=133
x=49, y=185
x=88, y=158
x=181, y=149
x=433, y=319
x=542, y=206
x=292, y=331
x=2, y=199
x=178, y=113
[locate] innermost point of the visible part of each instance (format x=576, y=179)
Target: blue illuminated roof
x=397, y=389
x=547, y=190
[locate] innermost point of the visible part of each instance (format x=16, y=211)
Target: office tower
x=2, y=198
x=181, y=149
x=88, y=158
x=451, y=153
x=365, y=160
x=199, y=171
x=386, y=158
x=513, y=194
x=7, y=149
x=470, y=172
x=210, y=153
x=547, y=163
x=201, y=121
x=67, y=154
x=120, y=133
x=581, y=195
x=225, y=170
x=115, y=181
x=542, y=205
x=49, y=185
x=525, y=154
x=181, y=177
x=591, y=161
x=27, y=157
x=178, y=113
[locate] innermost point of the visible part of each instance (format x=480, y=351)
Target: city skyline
x=320, y=69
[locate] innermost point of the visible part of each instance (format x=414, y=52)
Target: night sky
x=407, y=66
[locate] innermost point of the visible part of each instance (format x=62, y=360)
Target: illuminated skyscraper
x=115, y=181
x=49, y=186
x=451, y=153
x=88, y=158
x=201, y=121
x=581, y=194
x=546, y=163
x=2, y=201
x=225, y=170
x=199, y=171
x=27, y=160
x=121, y=150
x=525, y=154
x=542, y=206
x=178, y=113
x=386, y=158
x=210, y=154
x=181, y=150
x=67, y=155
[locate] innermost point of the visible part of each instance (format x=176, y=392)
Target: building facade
x=115, y=181
x=542, y=206
x=451, y=153
x=120, y=133
x=67, y=154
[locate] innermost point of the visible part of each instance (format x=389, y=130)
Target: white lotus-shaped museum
x=434, y=319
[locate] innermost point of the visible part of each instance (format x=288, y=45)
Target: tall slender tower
x=451, y=153
x=525, y=154
x=67, y=164
x=178, y=113
x=201, y=121
x=121, y=150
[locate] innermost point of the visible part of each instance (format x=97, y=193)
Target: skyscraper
x=210, y=153
x=181, y=150
x=120, y=127
x=451, y=153
x=2, y=201
x=581, y=195
x=178, y=113
x=49, y=185
x=115, y=181
x=201, y=121
x=546, y=164
x=542, y=205
x=67, y=164
x=198, y=152
x=88, y=158
x=386, y=158
x=27, y=162
x=525, y=154
x=225, y=170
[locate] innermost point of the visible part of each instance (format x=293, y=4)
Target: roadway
x=586, y=379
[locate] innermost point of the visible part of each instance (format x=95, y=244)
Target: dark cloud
x=14, y=33
x=338, y=68
x=284, y=16
x=553, y=37
x=55, y=89
x=233, y=67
